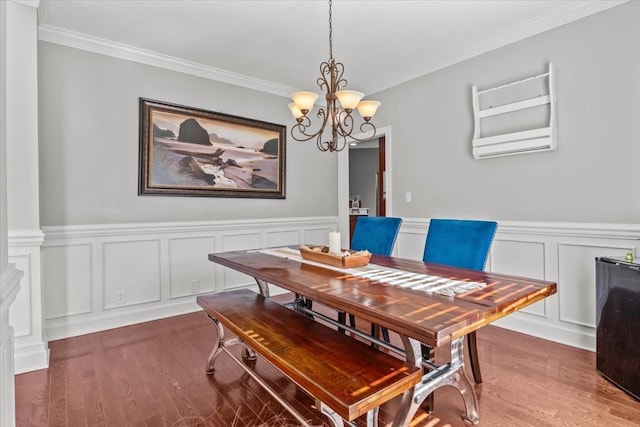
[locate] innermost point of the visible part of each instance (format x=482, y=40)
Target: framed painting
x=187, y=151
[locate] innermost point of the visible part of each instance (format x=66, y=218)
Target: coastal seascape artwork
x=187, y=151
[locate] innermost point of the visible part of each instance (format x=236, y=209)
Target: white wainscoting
x=560, y=252
x=105, y=276
x=97, y=277
x=30, y=347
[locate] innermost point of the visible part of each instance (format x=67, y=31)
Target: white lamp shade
x=295, y=111
x=368, y=108
x=304, y=100
x=349, y=98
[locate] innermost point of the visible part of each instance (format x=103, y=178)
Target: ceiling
x=277, y=46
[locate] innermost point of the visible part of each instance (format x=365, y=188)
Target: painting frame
x=187, y=151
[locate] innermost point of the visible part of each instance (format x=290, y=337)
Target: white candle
x=334, y=242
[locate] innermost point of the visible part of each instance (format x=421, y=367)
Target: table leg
x=248, y=353
x=263, y=287
x=452, y=374
x=428, y=355
x=408, y=402
x=460, y=381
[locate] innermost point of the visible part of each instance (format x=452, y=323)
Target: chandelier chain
x=330, y=33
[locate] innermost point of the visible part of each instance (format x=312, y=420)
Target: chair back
x=377, y=234
x=459, y=243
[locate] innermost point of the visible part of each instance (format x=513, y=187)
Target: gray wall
x=592, y=176
x=88, y=129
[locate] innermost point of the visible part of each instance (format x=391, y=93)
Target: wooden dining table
x=425, y=304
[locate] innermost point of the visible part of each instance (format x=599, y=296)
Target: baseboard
x=585, y=340
x=32, y=358
x=71, y=328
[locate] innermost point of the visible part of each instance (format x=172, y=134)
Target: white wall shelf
x=519, y=142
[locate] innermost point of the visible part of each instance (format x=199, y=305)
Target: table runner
x=388, y=276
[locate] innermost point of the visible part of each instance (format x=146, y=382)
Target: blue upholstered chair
x=377, y=234
x=464, y=244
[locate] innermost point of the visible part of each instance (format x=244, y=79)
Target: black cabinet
x=618, y=322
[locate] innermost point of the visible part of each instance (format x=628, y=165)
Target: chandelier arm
x=344, y=125
x=301, y=127
x=362, y=129
x=325, y=70
x=322, y=146
x=332, y=145
x=339, y=72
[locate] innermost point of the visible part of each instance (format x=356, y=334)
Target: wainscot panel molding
x=561, y=252
x=31, y=351
x=103, y=276
x=9, y=288
x=90, y=290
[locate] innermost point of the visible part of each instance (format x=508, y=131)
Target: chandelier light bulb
x=367, y=109
x=295, y=111
x=304, y=100
x=349, y=99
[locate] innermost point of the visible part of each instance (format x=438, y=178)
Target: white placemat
x=389, y=276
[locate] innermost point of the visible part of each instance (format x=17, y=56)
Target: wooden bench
x=347, y=377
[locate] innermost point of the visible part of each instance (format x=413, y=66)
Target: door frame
x=343, y=181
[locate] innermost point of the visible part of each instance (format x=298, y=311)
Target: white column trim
x=9, y=287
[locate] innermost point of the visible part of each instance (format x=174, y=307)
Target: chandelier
x=339, y=113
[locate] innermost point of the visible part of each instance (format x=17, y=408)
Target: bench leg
x=336, y=420
x=216, y=347
x=372, y=417
x=247, y=352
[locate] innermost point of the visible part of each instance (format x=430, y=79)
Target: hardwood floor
x=152, y=374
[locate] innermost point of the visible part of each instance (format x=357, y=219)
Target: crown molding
x=32, y=3
x=101, y=46
x=572, y=12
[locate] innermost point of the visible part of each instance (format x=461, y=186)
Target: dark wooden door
x=382, y=198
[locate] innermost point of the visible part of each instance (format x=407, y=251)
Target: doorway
x=378, y=181
x=366, y=177
x=366, y=180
